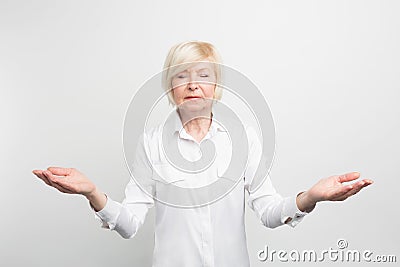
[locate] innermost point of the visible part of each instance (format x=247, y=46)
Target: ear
x=171, y=97
x=215, y=91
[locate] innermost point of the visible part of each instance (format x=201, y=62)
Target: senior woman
x=212, y=234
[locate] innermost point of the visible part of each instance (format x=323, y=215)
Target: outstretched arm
x=331, y=189
x=125, y=218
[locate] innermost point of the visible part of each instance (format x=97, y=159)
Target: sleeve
x=127, y=217
x=271, y=208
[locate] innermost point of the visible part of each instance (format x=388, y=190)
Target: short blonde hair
x=190, y=52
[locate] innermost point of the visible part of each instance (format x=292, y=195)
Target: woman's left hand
x=331, y=189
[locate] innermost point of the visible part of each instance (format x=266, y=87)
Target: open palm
x=334, y=189
x=66, y=180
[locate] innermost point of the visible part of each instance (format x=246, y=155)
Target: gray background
x=68, y=69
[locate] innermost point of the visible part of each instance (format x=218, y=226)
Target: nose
x=192, y=85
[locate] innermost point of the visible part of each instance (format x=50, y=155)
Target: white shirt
x=207, y=236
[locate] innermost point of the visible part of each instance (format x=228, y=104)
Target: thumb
x=349, y=177
x=60, y=171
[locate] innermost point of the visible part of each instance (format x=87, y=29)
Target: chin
x=197, y=105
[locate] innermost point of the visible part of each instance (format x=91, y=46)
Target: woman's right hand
x=71, y=181
x=66, y=180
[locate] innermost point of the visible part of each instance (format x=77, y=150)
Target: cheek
x=209, y=90
x=177, y=93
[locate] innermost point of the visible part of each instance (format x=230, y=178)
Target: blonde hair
x=190, y=52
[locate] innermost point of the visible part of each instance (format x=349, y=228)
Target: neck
x=196, y=123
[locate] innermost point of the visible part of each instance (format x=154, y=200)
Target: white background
x=68, y=70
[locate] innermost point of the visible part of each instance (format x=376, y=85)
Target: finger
x=340, y=192
x=349, y=194
x=60, y=171
x=343, y=196
x=37, y=172
x=65, y=185
x=40, y=175
x=357, y=187
x=368, y=181
x=355, y=190
x=53, y=178
x=61, y=182
x=349, y=177
x=361, y=184
x=54, y=182
x=61, y=189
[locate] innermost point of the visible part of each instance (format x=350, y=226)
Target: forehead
x=196, y=66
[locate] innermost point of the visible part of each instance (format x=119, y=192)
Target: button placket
x=208, y=248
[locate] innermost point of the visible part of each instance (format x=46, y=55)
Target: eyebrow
x=202, y=69
x=197, y=70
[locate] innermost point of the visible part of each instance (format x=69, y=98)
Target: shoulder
x=153, y=133
x=152, y=141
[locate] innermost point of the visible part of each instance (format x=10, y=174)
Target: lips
x=192, y=97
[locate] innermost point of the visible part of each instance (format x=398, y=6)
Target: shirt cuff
x=291, y=214
x=109, y=214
